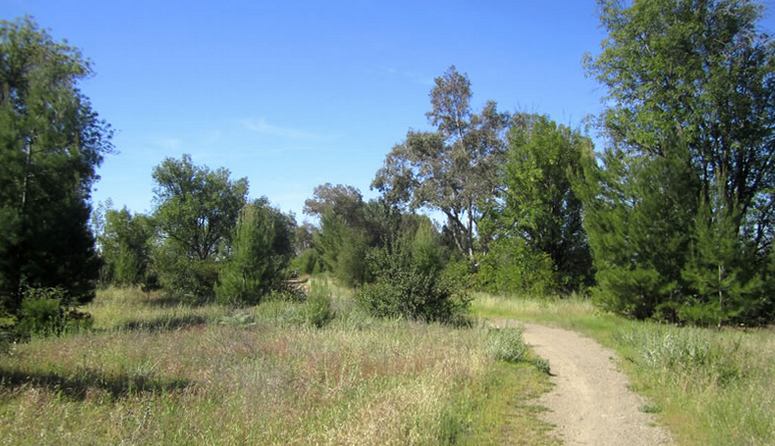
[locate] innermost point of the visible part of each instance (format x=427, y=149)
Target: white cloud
x=168, y=143
x=410, y=76
x=261, y=126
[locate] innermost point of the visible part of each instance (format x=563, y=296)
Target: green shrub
x=511, y=267
x=182, y=277
x=506, y=344
x=318, y=310
x=307, y=262
x=44, y=313
x=406, y=288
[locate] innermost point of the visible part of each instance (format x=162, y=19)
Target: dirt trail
x=590, y=403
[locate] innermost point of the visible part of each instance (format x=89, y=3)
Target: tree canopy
x=680, y=214
x=51, y=142
x=452, y=169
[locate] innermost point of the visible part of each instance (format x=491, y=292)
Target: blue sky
x=293, y=94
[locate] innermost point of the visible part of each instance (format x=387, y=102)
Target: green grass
x=155, y=371
x=709, y=387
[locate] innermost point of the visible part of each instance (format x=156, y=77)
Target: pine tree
x=680, y=214
x=262, y=247
x=51, y=141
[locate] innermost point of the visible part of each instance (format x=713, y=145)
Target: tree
x=196, y=210
x=453, y=169
x=262, y=248
x=538, y=205
x=345, y=201
x=125, y=247
x=686, y=185
x=51, y=142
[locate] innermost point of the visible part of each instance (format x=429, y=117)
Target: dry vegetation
x=157, y=372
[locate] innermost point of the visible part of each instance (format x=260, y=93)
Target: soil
x=591, y=402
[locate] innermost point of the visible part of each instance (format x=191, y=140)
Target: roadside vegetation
x=708, y=386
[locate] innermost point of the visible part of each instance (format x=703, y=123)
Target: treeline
x=671, y=219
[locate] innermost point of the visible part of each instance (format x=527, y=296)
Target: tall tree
x=453, y=169
x=51, y=141
x=196, y=210
x=691, y=160
x=538, y=204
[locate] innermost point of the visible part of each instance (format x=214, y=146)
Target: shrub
x=184, y=278
x=318, y=310
x=506, y=344
x=510, y=266
x=307, y=262
x=44, y=313
x=410, y=289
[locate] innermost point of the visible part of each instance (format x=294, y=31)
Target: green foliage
x=539, y=206
x=126, y=242
x=51, y=142
x=196, y=211
x=506, y=344
x=262, y=246
x=451, y=169
x=307, y=262
x=318, y=309
x=511, y=267
x=182, y=277
x=342, y=249
x=409, y=284
x=44, y=313
x=679, y=212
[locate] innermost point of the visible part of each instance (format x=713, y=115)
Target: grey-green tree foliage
x=51, y=141
x=343, y=238
x=196, y=210
x=125, y=243
x=680, y=214
x=537, y=218
x=261, y=249
x=452, y=169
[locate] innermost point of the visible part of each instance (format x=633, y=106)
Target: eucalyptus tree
x=196, y=211
x=452, y=169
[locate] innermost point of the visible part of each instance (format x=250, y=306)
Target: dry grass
x=157, y=372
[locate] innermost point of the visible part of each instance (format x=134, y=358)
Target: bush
x=406, y=288
x=506, y=344
x=44, y=313
x=318, y=310
x=187, y=279
x=510, y=266
x=307, y=262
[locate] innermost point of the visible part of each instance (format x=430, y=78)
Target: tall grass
x=710, y=387
x=159, y=372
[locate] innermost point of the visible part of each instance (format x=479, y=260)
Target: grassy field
x=155, y=371
x=709, y=387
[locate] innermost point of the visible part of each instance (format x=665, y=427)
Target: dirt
x=591, y=403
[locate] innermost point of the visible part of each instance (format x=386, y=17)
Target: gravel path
x=590, y=403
